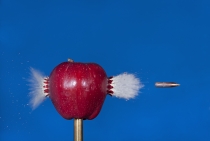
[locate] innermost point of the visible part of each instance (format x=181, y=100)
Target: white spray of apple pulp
x=125, y=86
x=36, y=88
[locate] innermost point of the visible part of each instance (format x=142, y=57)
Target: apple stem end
x=70, y=60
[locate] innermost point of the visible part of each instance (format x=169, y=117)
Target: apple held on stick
x=78, y=90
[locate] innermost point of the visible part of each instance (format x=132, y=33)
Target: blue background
x=158, y=40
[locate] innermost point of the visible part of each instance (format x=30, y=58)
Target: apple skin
x=78, y=90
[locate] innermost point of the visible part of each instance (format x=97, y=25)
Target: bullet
x=166, y=84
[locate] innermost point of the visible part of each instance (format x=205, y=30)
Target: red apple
x=78, y=90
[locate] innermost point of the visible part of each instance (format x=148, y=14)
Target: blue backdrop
x=158, y=40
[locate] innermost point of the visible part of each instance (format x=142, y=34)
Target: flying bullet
x=166, y=84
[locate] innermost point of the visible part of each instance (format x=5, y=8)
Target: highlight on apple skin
x=78, y=90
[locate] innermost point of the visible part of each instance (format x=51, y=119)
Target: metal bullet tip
x=166, y=84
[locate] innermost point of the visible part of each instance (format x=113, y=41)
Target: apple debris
x=38, y=88
x=125, y=86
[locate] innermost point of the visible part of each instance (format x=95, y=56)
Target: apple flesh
x=78, y=90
